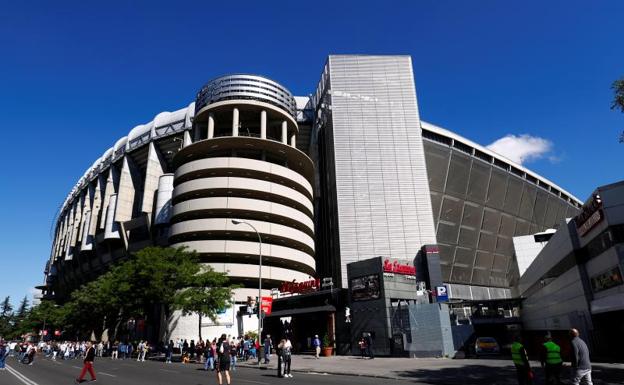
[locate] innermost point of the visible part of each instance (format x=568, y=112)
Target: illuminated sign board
x=300, y=287
x=398, y=268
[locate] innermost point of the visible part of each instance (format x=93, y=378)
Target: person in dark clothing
x=581, y=366
x=88, y=363
x=192, y=349
x=185, y=347
x=169, y=352
x=223, y=366
x=369, y=345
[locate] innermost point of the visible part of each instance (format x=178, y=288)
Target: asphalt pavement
x=130, y=372
x=347, y=370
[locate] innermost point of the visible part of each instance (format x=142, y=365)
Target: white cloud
x=522, y=148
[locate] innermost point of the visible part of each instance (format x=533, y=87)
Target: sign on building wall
x=607, y=280
x=300, y=287
x=365, y=288
x=396, y=267
x=441, y=294
x=591, y=214
x=266, y=305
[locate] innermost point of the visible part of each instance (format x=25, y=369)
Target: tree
x=153, y=278
x=618, y=99
x=6, y=317
x=6, y=309
x=207, y=294
x=23, y=308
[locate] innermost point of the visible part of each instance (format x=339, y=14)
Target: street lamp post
x=238, y=222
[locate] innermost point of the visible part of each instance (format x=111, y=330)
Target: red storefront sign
x=266, y=305
x=57, y=332
x=300, y=287
x=398, y=268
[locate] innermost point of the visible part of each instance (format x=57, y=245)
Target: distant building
x=576, y=279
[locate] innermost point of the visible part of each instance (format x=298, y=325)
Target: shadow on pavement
x=486, y=375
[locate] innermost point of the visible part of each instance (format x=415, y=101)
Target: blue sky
x=76, y=76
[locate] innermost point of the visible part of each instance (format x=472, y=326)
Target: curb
x=325, y=373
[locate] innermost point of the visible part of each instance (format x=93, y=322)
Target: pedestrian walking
x=581, y=365
x=521, y=361
x=284, y=358
x=233, y=355
x=115, y=352
x=369, y=345
x=362, y=345
x=4, y=352
x=210, y=354
x=268, y=345
x=88, y=363
x=316, y=343
x=551, y=361
x=223, y=365
x=169, y=352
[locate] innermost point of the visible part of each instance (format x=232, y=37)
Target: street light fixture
x=259, y=304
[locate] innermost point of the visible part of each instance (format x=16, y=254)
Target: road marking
x=253, y=382
x=77, y=367
x=170, y=371
x=106, y=374
x=20, y=376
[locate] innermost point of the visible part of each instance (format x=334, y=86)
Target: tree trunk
x=200, y=322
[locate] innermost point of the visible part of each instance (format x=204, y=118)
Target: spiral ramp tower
x=243, y=164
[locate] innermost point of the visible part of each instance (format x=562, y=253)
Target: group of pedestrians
x=552, y=362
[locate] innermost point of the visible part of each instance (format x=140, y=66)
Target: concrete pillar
x=163, y=212
x=284, y=132
x=235, y=122
x=293, y=140
x=210, y=125
x=263, y=124
x=187, y=139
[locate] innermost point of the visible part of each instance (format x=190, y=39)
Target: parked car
x=486, y=346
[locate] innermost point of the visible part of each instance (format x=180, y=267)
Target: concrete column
x=210, y=125
x=284, y=132
x=235, y=122
x=293, y=140
x=162, y=215
x=263, y=123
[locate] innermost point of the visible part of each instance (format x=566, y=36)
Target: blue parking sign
x=441, y=294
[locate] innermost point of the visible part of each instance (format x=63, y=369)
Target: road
x=48, y=372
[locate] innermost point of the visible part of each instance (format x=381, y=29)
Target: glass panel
x=477, y=185
x=497, y=188
x=468, y=237
x=446, y=272
x=436, y=158
x=472, y=216
x=527, y=202
x=504, y=246
x=461, y=274
x=446, y=253
x=451, y=210
x=480, y=277
x=447, y=232
x=436, y=201
x=540, y=207
x=507, y=226
x=491, y=221
x=464, y=257
x=500, y=263
x=459, y=170
x=514, y=193
x=522, y=227
x=487, y=242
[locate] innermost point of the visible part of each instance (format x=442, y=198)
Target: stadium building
x=343, y=175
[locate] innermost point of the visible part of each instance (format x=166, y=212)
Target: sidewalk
x=439, y=371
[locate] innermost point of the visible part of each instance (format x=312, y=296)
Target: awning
x=313, y=309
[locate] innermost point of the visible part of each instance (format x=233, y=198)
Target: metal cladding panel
x=382, y=190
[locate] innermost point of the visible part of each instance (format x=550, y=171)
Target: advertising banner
x=267, y=305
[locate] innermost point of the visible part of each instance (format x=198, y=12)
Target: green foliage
x=326, y=341
x=6, y=317
x=618, y=99
x=171, y=277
